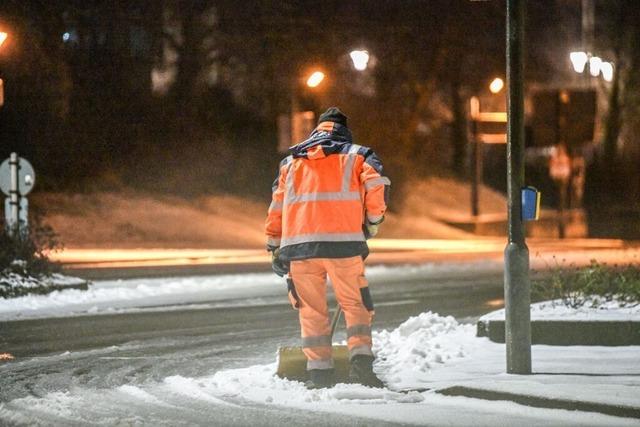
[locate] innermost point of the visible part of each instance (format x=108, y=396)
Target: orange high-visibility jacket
x=324, y=192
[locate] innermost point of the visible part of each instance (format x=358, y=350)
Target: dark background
x=83, y=105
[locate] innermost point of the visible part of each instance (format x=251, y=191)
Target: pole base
x=517, y=300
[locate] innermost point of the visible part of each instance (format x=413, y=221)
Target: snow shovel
x=292, y=363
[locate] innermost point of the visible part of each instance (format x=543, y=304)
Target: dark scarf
x=331, y=142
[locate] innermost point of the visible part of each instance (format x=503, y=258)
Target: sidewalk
x=603, y=380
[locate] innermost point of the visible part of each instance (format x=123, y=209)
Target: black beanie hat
x=333, y=114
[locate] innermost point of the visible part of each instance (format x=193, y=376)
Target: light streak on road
x=113, y=258
x=394, y=251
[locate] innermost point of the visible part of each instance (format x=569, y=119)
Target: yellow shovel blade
x=292, y=363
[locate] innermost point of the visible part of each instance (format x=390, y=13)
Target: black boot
x=319, y=378
x=361, y=371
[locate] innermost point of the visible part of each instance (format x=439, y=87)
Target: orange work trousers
x=352, y=292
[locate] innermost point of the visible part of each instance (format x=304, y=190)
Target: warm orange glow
x=437, y=245
x=315, y=79
x=492, y=138
x=474, y=107
x=113, y=258
x=3, y=37
x=577, y=251
x=496, y=85
x=6, y=356
x=495, y=302
x=492, y=116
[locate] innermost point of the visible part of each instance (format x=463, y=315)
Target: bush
x=577, y=286
x=25, y=253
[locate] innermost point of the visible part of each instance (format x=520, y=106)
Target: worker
x=328, y=198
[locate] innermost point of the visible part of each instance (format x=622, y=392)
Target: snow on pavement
x=426, y=351
x=431, y=351
x=200, y=292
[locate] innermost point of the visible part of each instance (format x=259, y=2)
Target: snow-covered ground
x=12, y=283
x=435, y=352
x=115, y=296
x=427, y=351
x=595, y=308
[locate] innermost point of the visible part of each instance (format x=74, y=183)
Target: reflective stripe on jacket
x=322, y=193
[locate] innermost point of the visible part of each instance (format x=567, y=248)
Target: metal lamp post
x=517, y=287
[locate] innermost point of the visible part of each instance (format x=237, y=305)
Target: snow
x=12, y=283
x=427, y=351
x=434, y=352
x=117, y=296
x=420, y=343
x=122, y=295
x=594, y=309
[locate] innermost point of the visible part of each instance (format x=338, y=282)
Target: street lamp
x=3, y=38
x=315, y=79
x=496, y=85
x=582, y=60
x=297, y=125
x=595, y=62
x=578, y=60
x=606, y=68
x=360, y=59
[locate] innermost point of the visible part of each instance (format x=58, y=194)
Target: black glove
x=281, y=268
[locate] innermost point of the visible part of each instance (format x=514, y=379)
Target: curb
x=543, y=402
x=556, y=332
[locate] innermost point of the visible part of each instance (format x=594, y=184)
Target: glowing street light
x=496, y=85
x=3, y=38
x=578, y=60
x=315, y=79
x=360, y=59
x=595, y=63
x=607, y=71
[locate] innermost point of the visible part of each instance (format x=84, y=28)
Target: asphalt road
x=110, y=351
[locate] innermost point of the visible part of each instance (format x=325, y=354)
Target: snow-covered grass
x=14, y=284
x=593, y=285
x=594, y=308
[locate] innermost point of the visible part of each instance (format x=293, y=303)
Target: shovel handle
x=336, y=318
